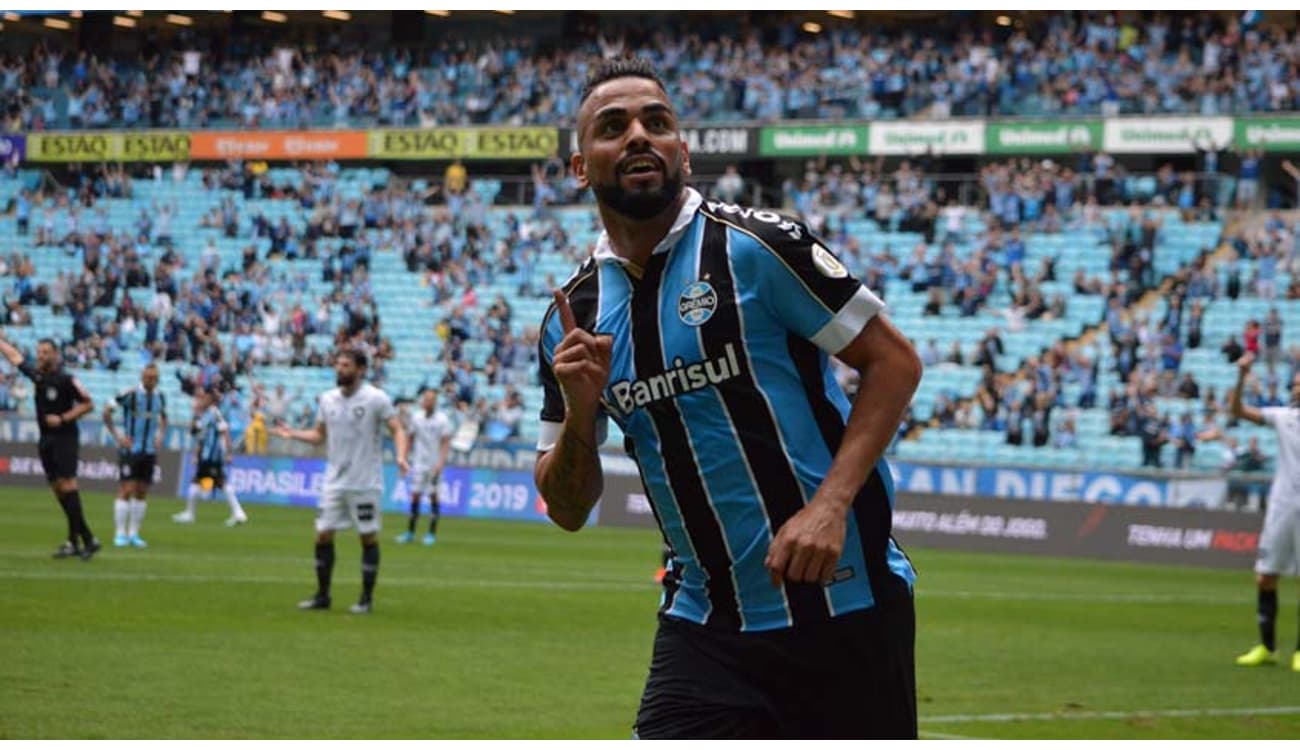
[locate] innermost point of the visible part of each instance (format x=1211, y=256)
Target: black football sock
x=78, y=515
x=415, y=514
x=435, y=512
x=1297, y=644
x=324, y=567
x=369, y=569
x=72, y=519
x=1267, y=618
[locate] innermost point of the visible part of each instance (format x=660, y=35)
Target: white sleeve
x=1271, y=414
x=549, y=433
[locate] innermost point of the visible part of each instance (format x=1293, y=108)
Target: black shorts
x=136, y=467
x=59, y=456
x=214, y=470
x=850, y=677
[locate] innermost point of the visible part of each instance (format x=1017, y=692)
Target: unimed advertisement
x=1175, y=536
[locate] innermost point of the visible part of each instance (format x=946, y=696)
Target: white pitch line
x=944, y=736
x=297, y=580
x=605, y=584
x=1035, y=596
x=1085, y=715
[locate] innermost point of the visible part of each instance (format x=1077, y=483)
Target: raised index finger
x=567, y=321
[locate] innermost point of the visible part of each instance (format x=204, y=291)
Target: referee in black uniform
x=60, y=402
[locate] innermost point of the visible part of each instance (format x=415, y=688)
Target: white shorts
x=341, y=509
x=1279, y=542
x=424, y=481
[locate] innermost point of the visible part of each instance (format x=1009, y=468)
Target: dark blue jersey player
x=704, y=330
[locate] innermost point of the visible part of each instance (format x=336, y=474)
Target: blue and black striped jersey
x=720, y=380
x=210, y=427
x=143, y=414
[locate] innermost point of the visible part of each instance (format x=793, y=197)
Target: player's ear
x=579, y=166
x=686, y=159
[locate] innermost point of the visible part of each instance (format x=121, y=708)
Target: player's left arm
x=444, y=450
x=83, y=406
x=399, y=442
x=813, y=296
x=162, y=424
x=227, y=445
x=809, y=545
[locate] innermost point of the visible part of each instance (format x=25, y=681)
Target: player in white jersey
x=350, y=421
x=430, y=431
x=1279, y=542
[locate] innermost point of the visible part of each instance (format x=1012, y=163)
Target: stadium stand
x=1070, y=63
x=1039, y=292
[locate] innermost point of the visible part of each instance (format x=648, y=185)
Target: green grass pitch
x=516, y=630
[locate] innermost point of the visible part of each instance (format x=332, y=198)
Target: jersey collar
x=684, y=217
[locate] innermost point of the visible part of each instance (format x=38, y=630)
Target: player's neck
x=636, y=240
x=349, y=390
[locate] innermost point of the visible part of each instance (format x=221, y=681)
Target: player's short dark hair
x=50, y=342
x=357, y=356
x=621, y=67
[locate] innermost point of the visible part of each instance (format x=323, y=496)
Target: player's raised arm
x=1239, y=409
x=569, y=475
x=9, y=351
x=400, y=443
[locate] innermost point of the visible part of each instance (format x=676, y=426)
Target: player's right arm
x=568, y=474
x=11, y=353
x=122, y=440
x=1239, y=409
x=313, y=436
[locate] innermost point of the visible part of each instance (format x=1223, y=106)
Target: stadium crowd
x=727, y=69
x=182, y=300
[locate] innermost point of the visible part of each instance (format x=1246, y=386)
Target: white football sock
x=192, y=498
x=121, y=514
x=137, y=517
x=235, y=509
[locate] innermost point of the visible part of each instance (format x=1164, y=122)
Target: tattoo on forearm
x=570, y=474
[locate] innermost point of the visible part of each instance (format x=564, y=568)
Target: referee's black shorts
x=136, y=467
x=847, y=678
x=214, y=470
x=59, y=456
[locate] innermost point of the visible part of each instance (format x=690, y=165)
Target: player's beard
x=345, y=381
x=641, y=205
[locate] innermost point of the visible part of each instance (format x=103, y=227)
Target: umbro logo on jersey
x=683, y=378
x=791, y=228
x=697, y=303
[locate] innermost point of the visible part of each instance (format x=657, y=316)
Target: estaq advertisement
x=465, y=143
x=145, y=145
